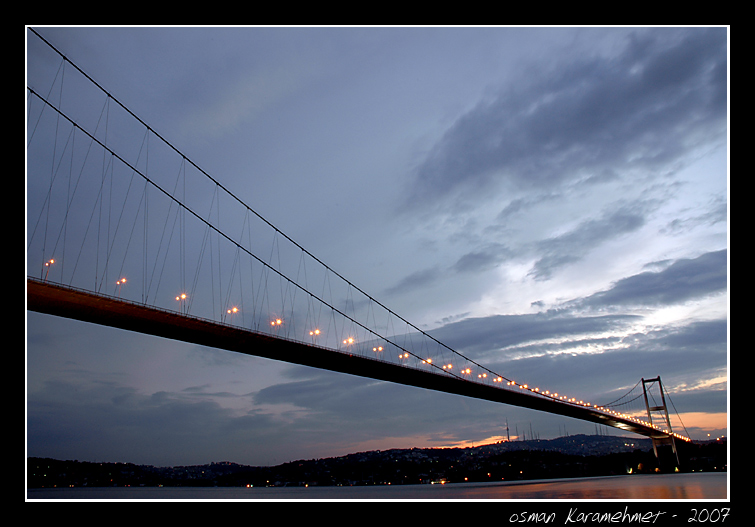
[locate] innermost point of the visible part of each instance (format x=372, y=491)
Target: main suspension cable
x=231, y=194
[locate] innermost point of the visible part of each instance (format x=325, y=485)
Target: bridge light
x=48, y=263
x=349, y=340
x=180, y=298
x=232, y=311
x=314, y=332
x=120, y=283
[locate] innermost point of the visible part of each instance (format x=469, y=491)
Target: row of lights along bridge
x=448, y=367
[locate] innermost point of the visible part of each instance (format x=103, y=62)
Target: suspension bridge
x=124, y=230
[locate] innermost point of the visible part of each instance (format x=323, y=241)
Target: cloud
x=350, y=413
x=678, y=281
x=683, y=280
x=113, y=422
x=645, y=108
x=482, y=259
x=244, y=100
x=551, y=253
x=577, y=243
x=716, y=212
x=416, y=280
x=480, y=337
x=684, y=356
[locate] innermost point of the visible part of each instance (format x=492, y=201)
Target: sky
x=549, y=200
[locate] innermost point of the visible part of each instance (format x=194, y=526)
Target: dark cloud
x=416, y=280
x=680, y=281
x=558, y=251
x=329, y=403
x=700, y=336
x=645, y=108
x=690, y=351
x=513, y=209
x=312, y=392
x=716, y=212
x=683, y=280
x=709, y=401
x=107, y=421
x=475, y=337
x=482, y=259
x=577, y=243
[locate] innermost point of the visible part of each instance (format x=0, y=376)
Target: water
x=701, y=486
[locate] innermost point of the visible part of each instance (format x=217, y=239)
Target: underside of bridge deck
x=59, y=300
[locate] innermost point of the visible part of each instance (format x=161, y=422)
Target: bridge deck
x=58, y=300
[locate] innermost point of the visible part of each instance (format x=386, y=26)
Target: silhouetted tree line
x=396, y=467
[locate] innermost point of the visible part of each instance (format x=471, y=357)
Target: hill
x=564, y=457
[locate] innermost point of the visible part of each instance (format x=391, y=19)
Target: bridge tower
x=665, y=417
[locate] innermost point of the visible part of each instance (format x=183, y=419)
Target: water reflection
x=638, y=487
x=702, y=486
